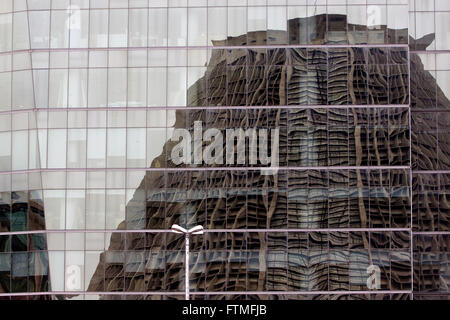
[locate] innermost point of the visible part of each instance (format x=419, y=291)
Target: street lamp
x=180, y=230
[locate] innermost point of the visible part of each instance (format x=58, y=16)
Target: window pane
x=277, y=21
x=115, y=208
x=138, y=28
x=58, y=88
x=34, y=152
x=116, y=148
x=95, y=209
x=22, y=90
x=176, y=95
x=177, y=26
x=6, y=32
x=117, y=87
x=98, y=34
x=237, y=22
x=76, y=149
x=39, y=29
x=5, y=91
x=118, y=29
x=217, y=24
x=78, y=88
x=442, y=28
x=197, y=27
x=41, y=88
x=157, y=27
x=75, y=213
x=20, y=150
x=96, y=156
x=97, y=87
x=5, y=151
x=136, y=144
x=137, y=85
x=57, y=148
x=79, y=28
x=157, y=84
x=20, y=31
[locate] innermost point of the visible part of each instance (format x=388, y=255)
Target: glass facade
x=310, y=139
x=430, y=119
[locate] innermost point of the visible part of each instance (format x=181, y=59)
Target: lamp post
x=180, y=230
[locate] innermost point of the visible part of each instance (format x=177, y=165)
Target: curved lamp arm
x=178, y=229
x=196, y=230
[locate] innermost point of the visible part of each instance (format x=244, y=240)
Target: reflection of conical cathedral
x=348, y=168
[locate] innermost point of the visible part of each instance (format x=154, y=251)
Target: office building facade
x=307, y=137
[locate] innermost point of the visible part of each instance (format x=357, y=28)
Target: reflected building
x=242, y=260
x=90, y=188
x=21, y=211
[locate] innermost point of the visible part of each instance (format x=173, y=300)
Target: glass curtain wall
x=347, y=100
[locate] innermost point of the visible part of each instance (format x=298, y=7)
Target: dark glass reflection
x=232, y=199
x=302, y=76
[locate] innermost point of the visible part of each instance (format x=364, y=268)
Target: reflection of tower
x=298, y=198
